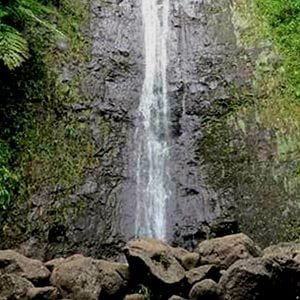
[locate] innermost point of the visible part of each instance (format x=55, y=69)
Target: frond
x=3, y=12
x=13, y=47
x=25, y=9
x=30, y=10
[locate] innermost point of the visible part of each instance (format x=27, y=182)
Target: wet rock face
x=202, y=65
x=111, y=94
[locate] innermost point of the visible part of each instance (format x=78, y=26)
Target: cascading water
x=151, y=136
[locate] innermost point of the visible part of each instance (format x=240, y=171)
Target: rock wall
x=205, y=63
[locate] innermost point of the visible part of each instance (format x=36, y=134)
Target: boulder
x=206, y=289
x=290, y=249
x=43, y=293
x=176, y=298
x=33, y=248
x=190, y=260
x=31, y=269
x=134, y=297
x=77, y=278
x=51, y=264
x=13, y=286
x=113, y=277
x=203, y=272
x=156, y=260
x=272, y=277
x=287, y=277
x=248, y=279
x=224, y=251
x=223, y=227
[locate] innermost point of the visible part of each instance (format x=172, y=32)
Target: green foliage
x=253, y=151
x=8, y=179
x=13, y=47
x=15, y=16
x=144, y=291
x=51, y=147
x=283, y=20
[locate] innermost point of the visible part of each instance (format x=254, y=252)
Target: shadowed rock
x=176, y=298
x=247, y=279
x=113, y=277
x=204, y=290
x=190, y=260
x=203, y=272
x=43, y=293
x=13, y=286
x=134, y=297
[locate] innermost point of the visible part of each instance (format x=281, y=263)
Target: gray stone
x=51, y=264
x=190, y=260
x=248, y=279
x=290, y=249
x=226, y=250
x=156, y=259
x=77, y=278
x=176, y=298
x=113, y=277
x=134, y=297
x=13, y=286
x=43, y=293
x=204, y=290
x=203, y=272
x=202, y=65
x=31, y=269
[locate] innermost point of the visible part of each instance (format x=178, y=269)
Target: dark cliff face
x=203, y=59
x=205, y=67
x=111, y=94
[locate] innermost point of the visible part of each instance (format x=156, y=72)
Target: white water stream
x=151, y=135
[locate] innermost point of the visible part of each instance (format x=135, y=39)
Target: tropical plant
x=8, y=179
x=15, y=15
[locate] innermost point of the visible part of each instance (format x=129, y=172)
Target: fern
x=13, y=45
x=8, y=179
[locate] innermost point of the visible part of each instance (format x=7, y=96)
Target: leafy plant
x=143, y=290
x=283, y=20
x=14, y=16
x=8, y=179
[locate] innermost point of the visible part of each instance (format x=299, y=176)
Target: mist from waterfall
x=151, y=136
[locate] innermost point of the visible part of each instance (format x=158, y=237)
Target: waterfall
x=151, y=136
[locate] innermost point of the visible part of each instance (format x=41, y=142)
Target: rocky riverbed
x=226, y=268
